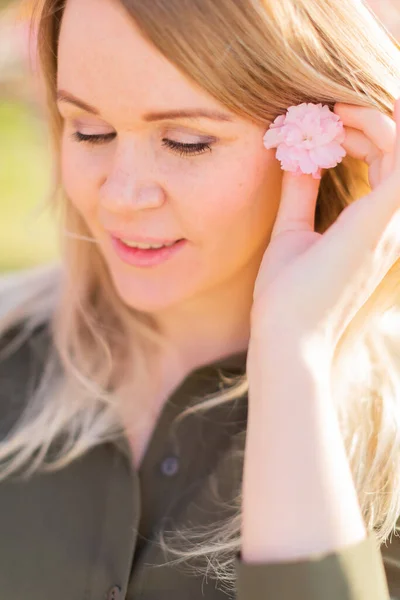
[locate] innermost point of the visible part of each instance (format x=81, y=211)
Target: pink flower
x=308, y=138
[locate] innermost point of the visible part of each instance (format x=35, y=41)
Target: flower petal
x=328, y=156
x=308, y=138
x=307, y=165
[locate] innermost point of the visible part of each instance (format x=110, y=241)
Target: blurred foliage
x=27, y=236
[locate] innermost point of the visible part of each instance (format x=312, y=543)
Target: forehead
x=103, y=59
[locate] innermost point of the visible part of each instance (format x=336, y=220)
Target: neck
x=205, y=329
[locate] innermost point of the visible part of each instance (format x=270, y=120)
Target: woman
x=217, y=417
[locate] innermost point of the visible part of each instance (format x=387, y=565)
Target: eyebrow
x=63, y=96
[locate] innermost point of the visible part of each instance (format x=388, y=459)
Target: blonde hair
x=270, y=55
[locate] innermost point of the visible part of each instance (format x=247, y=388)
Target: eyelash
x=179, y=148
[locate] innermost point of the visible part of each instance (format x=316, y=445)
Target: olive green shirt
x=87, y=531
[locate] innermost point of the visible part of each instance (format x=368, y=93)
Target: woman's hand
x=299, y=496
x=311, y=283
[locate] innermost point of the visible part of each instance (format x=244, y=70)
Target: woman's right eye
x=98, y=138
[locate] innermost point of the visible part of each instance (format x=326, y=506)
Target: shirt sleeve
x=354, y=572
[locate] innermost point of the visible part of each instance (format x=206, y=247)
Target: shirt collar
x=234, y=364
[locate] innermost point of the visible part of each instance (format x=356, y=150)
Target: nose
x=131, y=184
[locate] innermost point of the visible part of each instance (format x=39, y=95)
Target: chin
x=149, y=296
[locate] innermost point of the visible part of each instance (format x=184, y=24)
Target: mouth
x=148, y=245
x=146, y=257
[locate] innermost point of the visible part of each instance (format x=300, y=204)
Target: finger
x=358, y=145
x=377, y=126
x=297, y=205
x=364, y=223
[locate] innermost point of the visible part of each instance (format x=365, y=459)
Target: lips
x=140, y=239
x=153, y=246
x=141, y=257
x=135, y=247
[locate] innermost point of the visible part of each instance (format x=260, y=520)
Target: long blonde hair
x=270, y=55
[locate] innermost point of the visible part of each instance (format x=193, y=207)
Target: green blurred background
x=27, y=235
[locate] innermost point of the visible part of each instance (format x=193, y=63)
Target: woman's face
x=136, y=182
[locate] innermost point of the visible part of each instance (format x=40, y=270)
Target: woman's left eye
x=185, y=149
x=180, y=148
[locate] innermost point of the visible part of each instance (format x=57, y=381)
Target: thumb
x=297, y=205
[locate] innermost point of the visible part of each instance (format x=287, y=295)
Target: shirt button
x=114, y=593
x=170, y=466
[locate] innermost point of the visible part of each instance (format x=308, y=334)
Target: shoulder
x=23, y=354
x=27, y=299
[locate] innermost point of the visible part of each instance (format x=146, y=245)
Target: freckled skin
x=224, y=201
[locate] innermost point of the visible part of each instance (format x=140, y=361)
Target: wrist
x=296, y=470
x=277, y=353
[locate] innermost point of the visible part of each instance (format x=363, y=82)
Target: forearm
x=298, y=493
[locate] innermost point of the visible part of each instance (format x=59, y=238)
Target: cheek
x=79, y=172
x=237, y=203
